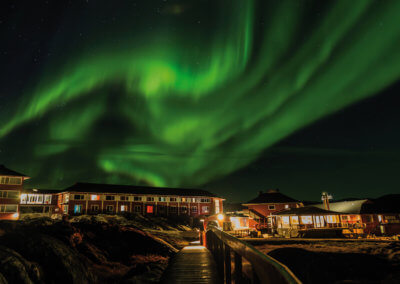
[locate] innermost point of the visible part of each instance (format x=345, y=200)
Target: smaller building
x=308, y=221
x=11, y=184
x=262, y=208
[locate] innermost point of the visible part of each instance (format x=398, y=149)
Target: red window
x=149, y=209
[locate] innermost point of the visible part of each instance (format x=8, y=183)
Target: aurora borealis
x=179, y=93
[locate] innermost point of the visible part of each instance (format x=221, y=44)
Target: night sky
x=231, y=96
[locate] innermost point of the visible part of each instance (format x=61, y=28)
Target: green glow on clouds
x=185, y=109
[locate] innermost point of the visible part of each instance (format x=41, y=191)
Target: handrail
x=265, y=268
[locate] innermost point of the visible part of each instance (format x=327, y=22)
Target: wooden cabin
x=265, y=205
x=307, y=221
x=11, y=184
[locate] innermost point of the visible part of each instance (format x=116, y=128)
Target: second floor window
x=150, y=199
x=110, y=197
x=271, y=207
x=137, y=198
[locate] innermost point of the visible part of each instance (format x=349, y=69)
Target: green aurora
x=188, y=101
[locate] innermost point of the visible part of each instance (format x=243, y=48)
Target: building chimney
x=325, y=199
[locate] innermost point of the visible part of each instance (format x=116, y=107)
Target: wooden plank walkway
x=193, y=264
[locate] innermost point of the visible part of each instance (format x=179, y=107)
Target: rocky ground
x=338, y=261
x=89, y=249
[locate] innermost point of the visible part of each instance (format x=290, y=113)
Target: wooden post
x=228, y=270
x=238, y=268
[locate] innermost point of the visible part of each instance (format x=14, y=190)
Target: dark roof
x=43, y=191
x=7, y=172
x=272, y=196
x=305, y=211
x=133, y=189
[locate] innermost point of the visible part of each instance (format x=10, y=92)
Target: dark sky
x=235, y=98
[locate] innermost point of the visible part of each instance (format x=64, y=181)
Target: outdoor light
x=15, y=215
x=220, y=217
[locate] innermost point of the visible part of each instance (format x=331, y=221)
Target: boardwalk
x=193, y=264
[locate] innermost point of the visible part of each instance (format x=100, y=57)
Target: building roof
x=42, y=191
x=271, y=196
x=133, y=189
x=349, y=206
x=307, y=210
x=7, y=172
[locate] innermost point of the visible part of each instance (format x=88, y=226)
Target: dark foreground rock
x=85, y=251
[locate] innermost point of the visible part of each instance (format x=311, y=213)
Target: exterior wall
x=11, y=201
x=264, y=210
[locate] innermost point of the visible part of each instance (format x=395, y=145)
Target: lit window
x=271, y=207
x=184, y=209
x=47, y=199
x=216, y=202
x=24, y=198
x=94, y=197
x=331, y=219
x=9, y=208
x=78, y=209
x=306, y=220
x=286, y=206
x=294, y=219
x=149, y=209
x=124, y=208
x=184, y=199
x=205, y=209
x=285, y=220
x=11, y=180
x=162, y=199
x=380, y=218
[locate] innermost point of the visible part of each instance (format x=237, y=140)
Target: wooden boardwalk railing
x=264, y=269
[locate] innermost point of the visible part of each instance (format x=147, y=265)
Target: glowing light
x=15, y=215
x=220, y=217
x=186, y=104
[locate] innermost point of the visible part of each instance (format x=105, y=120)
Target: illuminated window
x=345, y=218
x=94, y=197
x=47, y=199
x=271, y=207
x=11, y=180
x=216, y=202
x=286, y=206
x=294, y=220
x=9, y=208
x=331, y=219
x=184, y=209
x=285, y=220
x=205, y=209
x=162, y=199
x=380, y=218
x=124, y=208
x=149, y=209
x=12, y=194
x=24, y=198
x=306, y=220
x=78, y=209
